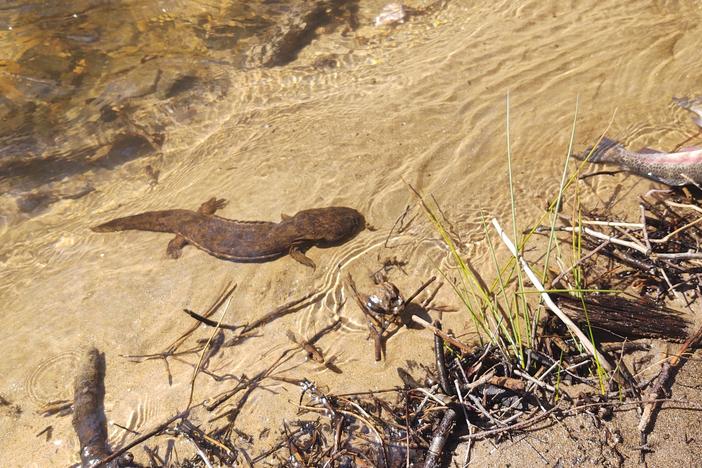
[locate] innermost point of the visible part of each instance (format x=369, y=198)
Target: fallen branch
x=439, y=440
x=88, y=412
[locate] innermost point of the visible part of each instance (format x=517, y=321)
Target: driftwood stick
x=679, y=256
x=441, y=362
x=439, y=440
x=665, y=239
x=468, y=424
x=644, y=266
x=582, y=259
x=88, y=411
x=595, y=222
x=644, y=229
x=610, y=223
x=684, y=205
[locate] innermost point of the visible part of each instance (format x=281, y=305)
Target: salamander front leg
x=297, y=254
x=212, y=205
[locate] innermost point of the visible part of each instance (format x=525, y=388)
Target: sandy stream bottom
x=424, y=102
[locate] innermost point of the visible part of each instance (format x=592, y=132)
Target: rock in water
x=392, y=13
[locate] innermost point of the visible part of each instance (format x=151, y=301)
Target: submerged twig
x=312, y=352
x=285, y=309
x=211, y=323
x=141, y=439
x=172, y=350
x=204, y=357
x=228, y=291
x=458, y=344
x=420, y=289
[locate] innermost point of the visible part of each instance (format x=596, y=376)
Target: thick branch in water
x=88, y=410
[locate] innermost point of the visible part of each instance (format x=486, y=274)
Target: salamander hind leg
x=175, y=246
x=212, y=205
x=297, y=254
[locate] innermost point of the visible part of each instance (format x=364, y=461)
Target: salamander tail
x=157, y=221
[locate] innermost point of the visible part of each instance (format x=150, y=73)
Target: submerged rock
x=281, y=43
x=392, y=13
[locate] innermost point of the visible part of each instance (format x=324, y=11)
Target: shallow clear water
x=114, y=108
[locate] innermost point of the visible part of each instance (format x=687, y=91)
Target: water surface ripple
x=113, y=108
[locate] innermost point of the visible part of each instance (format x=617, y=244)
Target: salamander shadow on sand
x=246, y=241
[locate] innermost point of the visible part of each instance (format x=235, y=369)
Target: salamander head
x=329, y=226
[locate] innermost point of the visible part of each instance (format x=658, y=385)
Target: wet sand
x=352, y=116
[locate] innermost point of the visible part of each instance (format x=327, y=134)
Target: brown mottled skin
x=246, y=241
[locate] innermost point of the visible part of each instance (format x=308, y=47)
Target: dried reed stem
x=549, y=302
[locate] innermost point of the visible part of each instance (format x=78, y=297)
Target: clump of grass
x=501, y=311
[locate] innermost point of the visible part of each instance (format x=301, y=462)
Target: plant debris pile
x=361, y=429
x=658, y=257
x=618, y=288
